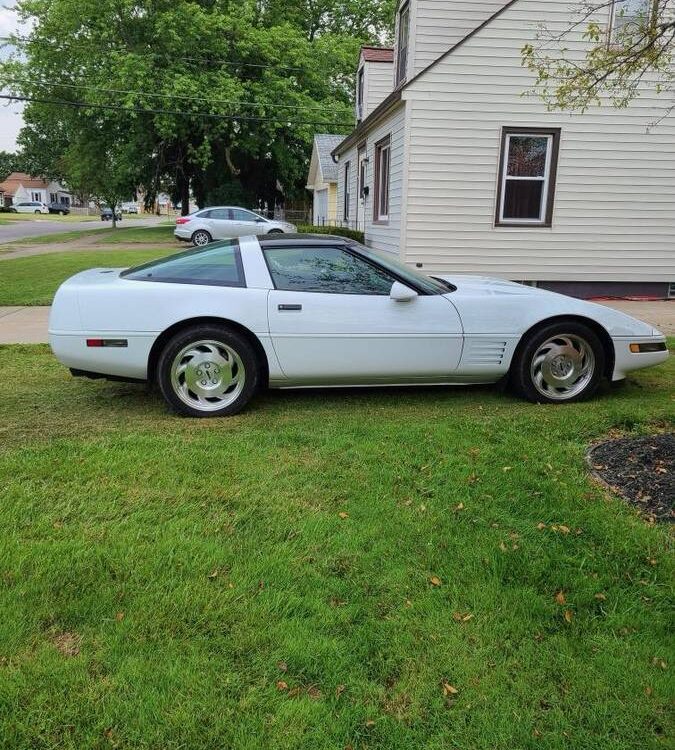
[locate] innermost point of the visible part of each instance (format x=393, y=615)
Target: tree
x=214, y=94
x=627, y=43
x=10, y=163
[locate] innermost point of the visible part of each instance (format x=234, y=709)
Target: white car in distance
x=226, y=222
x=30, y=207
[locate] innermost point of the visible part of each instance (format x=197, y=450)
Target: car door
x=246, y=222
x=219, y=224
x=332, y=320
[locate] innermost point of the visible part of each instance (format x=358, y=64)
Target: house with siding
x=454, y=169
x=322, y=179
x=20, y=187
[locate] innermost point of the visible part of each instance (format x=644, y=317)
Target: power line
x=15, y=40
x=183, y=97
x=152, y=111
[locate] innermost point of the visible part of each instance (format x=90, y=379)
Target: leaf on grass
x=314, y=693
x=600, y=596
x=339, y=690
x=560, y=597
x=473, y=478
x=119, y=616
x=649, y=691
x=435, y=581
x=507, y=468
x=370, y=724
x=658, y=662
x=541, y=526
x=281, y=685
x=282, y=666
x=462, y=616
x=343, y=515
x=568, y=615
x=503, y=547
x=449, y=689
x=460, y=506
x=213, y=574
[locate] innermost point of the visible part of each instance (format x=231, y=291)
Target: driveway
x=19, y=230
x=28, y=325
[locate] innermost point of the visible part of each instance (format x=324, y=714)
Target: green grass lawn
x=34, y=280
x=104, y=236
x=386, y=569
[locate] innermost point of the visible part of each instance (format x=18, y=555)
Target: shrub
x=353, y=234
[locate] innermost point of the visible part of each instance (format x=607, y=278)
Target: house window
x=630, y=17
x=359, y=95
x=527, y=175
x=347, y=195
x=402, y=43
x=36, y=196
x=382, y=173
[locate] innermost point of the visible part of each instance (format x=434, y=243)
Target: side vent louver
x=485, y=352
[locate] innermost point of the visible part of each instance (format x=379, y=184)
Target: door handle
x=288, y=308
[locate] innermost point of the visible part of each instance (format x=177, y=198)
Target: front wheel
x=38, y=212
x=208, y=371
x=201, y=237
x=559, y=363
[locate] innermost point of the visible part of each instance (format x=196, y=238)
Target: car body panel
x=30, y=207
x=467, y=336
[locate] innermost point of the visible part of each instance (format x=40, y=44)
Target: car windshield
x=409, y=275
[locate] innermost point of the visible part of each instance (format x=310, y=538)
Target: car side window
x=219, y=264
x=331, y=270
x=204, y=214
x=239, y=214
x=220, y=213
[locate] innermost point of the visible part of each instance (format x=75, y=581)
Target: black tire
x=178, y=395
x=37, y=212
x=555, y=364
x=276, y=231
x=199, y=236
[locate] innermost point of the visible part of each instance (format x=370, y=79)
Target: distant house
x=452, y=169
x=20, y=187
x=322, y=179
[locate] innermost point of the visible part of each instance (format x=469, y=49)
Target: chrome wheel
x=207, y=375
x=562, y=367
x=200, y=239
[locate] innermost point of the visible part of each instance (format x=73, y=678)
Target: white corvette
x=212, y=325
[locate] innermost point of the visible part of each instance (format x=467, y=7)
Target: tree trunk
x=184, y=188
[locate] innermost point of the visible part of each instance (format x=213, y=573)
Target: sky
x=11, y=119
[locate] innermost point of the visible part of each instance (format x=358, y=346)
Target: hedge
x=353, y=234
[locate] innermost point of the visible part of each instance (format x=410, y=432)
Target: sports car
x=214, y=324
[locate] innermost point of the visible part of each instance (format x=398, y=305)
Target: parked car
x=59, y=208
x=212, y=325
x=30, y=207
x=223, y=222
x=107, y=214
x=130, y=208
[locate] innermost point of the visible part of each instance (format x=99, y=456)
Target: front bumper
x=626, y=361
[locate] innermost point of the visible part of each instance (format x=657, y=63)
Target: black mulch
x=642, y=470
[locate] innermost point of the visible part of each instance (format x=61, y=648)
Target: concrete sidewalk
x=28, y=325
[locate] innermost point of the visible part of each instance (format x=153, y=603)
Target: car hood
x=493, y=305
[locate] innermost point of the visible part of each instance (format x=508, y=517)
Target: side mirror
x=402, y=293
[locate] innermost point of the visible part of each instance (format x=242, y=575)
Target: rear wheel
x=208, y=371
x=38, y=211
x=201, y=237
x=275, y=231
x=559, y=363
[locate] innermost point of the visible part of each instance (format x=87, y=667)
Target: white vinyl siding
x=613, y=217
x=438, y=25
x=376, y=87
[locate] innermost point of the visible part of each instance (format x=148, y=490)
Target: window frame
x=360, y=90
x=347, y=195
x=652, y=12
x=239, y=265
x=549, y=179
x=379, y=216
x=402, y=59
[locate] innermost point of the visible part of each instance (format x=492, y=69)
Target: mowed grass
x=103, y=236
x=386, y=569
x=33, y=280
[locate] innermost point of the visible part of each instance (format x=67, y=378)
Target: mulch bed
x=642, y=470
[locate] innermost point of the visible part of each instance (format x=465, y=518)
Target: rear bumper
x=182, y=233
x=128, y=363
x=626, y=361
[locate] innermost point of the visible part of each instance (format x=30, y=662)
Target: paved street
x=28, y=325
x=19, y=230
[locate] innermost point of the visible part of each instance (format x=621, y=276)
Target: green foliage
x=242, y=87
x=620, y=52
x=353, y=234
x=10, y=163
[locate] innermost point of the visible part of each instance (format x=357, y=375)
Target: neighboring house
x=20, y=187
x=322, y=179
x=456, y=171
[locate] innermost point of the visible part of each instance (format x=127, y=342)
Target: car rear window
x=218, y=264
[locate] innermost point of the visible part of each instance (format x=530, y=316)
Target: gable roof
x=396, y=96
x=378, y=54
x=17, y=179
x=324, y=145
